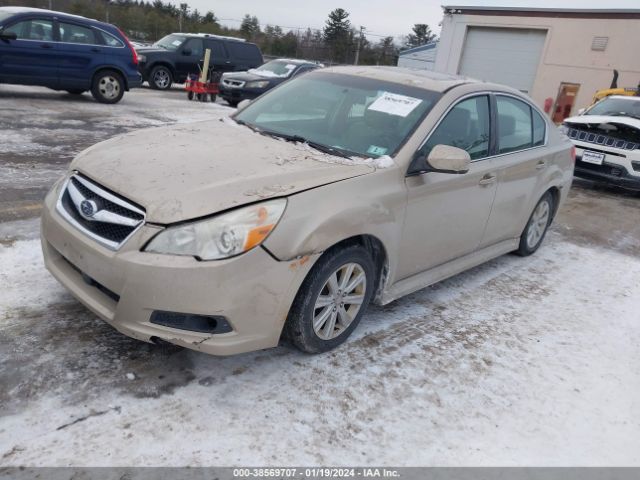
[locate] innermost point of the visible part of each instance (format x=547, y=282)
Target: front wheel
x=537, y=227
x=331, y=300
x=108, y=87
x=160, y=78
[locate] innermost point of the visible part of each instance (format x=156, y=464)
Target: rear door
x=521, y=162
x=219, y=57
x=31, y=59
x=81, y=51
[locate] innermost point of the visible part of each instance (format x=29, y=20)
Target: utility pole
x=360, y=36
x=50, y=4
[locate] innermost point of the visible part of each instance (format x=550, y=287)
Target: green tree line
x=337, y=42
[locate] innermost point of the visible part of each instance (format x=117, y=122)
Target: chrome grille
x=599, y=139
x=103, y=216
x=233, y=83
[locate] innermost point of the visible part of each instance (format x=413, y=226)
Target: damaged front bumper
x=240, y=304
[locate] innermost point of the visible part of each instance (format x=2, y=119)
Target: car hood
x=248, y=77
x=192, y=170
x=600, y=119
x=148, y=50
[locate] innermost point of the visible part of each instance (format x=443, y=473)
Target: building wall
x=424, y=60
x=567, y=56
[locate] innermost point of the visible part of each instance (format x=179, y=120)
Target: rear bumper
x=134, y=81
x=253, y=291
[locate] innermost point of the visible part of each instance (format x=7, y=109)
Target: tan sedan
x=343, y=187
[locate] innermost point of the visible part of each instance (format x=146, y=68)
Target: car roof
x=295, y=61
x=211, y=35
x=42, y=10
x=623, y=97
x=426, y=79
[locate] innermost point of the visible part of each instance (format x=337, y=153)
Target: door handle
x=45, y=45
x=95, y=50
x=488, y=179
x=541, y=164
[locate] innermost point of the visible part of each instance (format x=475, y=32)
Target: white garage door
x=503, y=55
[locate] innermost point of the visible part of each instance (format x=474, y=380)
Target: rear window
x=245, y=51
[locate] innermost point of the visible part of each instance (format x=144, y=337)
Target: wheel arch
x=118, y=70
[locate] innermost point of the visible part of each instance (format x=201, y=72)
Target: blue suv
x=66, y=52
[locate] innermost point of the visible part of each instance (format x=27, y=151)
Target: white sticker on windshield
x=395, y=104
x=289, y=66
x=176, y=43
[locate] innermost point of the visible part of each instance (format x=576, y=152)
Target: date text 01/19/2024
x=316, y=472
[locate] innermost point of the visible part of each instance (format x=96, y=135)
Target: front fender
x=315, y=220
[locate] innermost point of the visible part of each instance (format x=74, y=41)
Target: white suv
x=607, y=140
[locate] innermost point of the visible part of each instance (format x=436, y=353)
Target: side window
x=244, y=51
x=111, y=41
x=217, y=49
x=195, y=46
x=71, y=33
x=539, y=128
x=33, y=30
x=466, y=126
x=515, y=128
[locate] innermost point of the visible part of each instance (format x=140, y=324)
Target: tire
x=75, y=92
x=537, y=226
x=108, y=87
x=233, y=103
x=160, y=78
x=316, y=300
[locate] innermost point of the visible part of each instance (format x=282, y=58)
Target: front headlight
x=142, y=58
x=563, y=129
x=257, y=84
x=222, y=236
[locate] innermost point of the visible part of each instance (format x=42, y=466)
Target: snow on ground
x=518, y=362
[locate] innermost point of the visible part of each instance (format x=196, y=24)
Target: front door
x=564, y=102
x=190, y=57
x=32, y=58
x=446, y=213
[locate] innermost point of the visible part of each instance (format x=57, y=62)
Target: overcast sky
x=380, y=17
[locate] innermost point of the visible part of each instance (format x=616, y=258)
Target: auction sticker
x=395, y=104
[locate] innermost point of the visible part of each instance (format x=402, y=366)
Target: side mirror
x=446, y=159
x=8, y=35
x=244, y=104
x=186, y=52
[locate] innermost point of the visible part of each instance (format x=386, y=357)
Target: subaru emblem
x=88, y=208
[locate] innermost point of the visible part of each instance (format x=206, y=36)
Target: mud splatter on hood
x=187, y=171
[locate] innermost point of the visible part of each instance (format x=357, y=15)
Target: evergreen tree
x=421, y=35
x=337, y=34
x=249, y=27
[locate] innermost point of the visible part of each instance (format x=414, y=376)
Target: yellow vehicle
x=615, y=90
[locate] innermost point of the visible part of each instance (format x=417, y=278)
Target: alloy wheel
x=339, y=301
x=109, y=87
x=538, y=224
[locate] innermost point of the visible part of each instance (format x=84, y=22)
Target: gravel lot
x=518, y=362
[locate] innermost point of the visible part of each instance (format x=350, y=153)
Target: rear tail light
x=573, y=154
x=134, y=54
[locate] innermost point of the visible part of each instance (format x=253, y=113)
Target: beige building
x=560, y=57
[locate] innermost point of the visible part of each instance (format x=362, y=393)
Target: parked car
x=172, y=58
x=66, y=52
x=235, y=87
x=341, y=187
x=607, y=139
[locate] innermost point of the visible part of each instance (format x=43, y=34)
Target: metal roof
x=516, y=10
x=426, y=46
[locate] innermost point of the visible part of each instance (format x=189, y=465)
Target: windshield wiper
x=318, y=146
x=248, y=125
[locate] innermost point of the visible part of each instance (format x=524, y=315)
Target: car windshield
x=348, y=114
x=5, y=15
x=617, y=107
x=275, y=68
x=170, y=42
